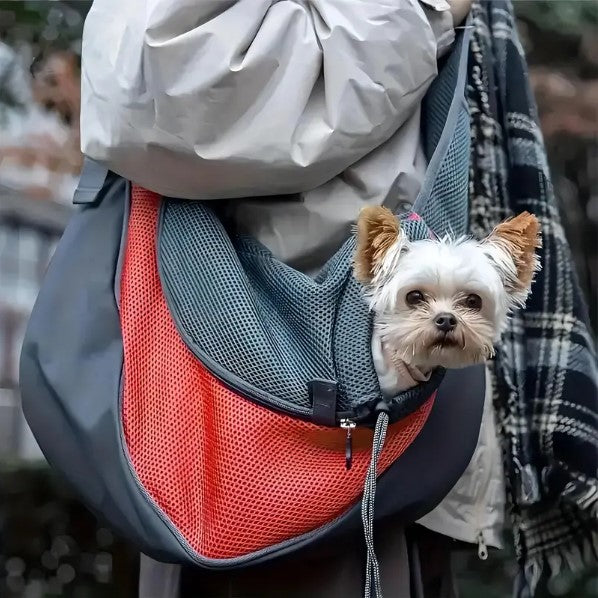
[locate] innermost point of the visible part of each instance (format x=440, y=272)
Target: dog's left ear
x=377, y=231
x=519, y=237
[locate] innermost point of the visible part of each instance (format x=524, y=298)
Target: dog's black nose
x=445, y=322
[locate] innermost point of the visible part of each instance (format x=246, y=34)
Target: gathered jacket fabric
x=305, y=110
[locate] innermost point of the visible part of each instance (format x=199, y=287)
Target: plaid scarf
x=546, y=396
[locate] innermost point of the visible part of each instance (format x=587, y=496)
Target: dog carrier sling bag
x=219, y=408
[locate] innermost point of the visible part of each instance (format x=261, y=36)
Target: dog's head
x=444, y=302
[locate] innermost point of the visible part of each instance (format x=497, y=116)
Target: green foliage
x=43, y=24
x=567, y=17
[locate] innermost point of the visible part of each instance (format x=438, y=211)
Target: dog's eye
x=414, y=297
x=473, y=301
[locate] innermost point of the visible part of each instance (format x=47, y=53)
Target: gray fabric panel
x=447, y=209
x=71, y=368
x=239, y=321
x=268, y=326
x=443, y=201
x=355, y=372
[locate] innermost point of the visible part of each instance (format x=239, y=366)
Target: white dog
x=440, y=302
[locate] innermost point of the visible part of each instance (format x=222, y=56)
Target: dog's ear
x=519, y=238
x=377, y=230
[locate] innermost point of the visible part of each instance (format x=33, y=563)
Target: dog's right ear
x=378, y=229
x=516, y=240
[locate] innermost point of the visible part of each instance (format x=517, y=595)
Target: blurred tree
x=564, y=17
x=43, y=25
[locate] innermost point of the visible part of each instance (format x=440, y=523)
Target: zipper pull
x=348, y=425
x=482, y=548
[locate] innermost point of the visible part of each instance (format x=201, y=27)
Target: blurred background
x=49, y=544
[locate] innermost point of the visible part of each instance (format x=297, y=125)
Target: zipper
x=348, y=425
x=482, y=548
x=487, y=472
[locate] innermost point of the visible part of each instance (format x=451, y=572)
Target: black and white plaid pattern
x=546, y=394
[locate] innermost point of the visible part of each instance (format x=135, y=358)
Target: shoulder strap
x=91, y=181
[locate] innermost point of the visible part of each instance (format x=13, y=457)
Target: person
x=473, y=512
x=307, y=113
x=39, y=149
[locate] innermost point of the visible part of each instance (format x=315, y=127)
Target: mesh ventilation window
x=267, y=325
x=447, y=208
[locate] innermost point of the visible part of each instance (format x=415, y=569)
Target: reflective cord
x=367, y=509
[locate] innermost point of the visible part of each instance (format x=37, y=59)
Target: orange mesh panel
x=233, y=477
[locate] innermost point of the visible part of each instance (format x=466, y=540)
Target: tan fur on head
x=377, y=230
x=520, y=237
